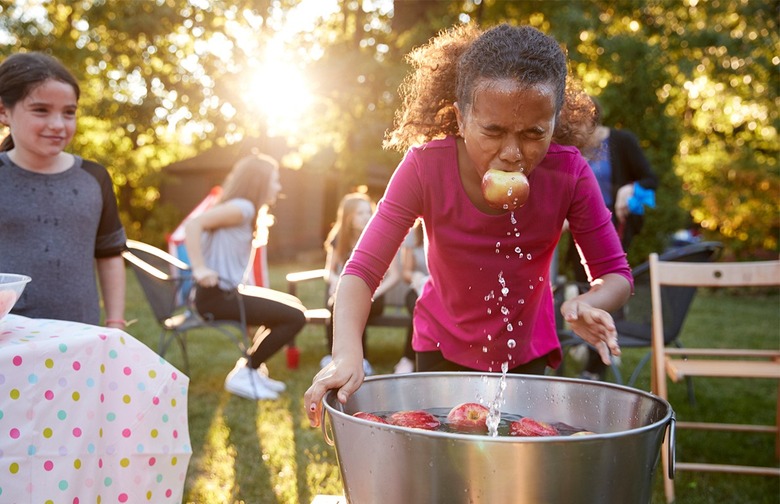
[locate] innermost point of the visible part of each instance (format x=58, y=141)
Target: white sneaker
x=271, y=384
x=579, y=354
x=244, y=382
x=405, y=365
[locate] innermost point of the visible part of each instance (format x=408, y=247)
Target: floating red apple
x=369, y=416
x=505, y=190
x=531, y=428
x=468, y=417
x=415, y=419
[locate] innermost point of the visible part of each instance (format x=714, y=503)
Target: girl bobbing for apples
x=477, y=101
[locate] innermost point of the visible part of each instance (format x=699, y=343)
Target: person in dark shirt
x=627, y=184
x=58, y=214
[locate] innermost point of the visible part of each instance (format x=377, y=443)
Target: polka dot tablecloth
x=88, y=415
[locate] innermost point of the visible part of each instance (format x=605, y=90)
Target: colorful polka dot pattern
x=88, y=415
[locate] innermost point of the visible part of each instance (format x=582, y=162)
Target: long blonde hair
x=250, y=179
x=343, y=237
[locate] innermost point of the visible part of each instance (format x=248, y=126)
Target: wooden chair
x=734, y=363
x=634, y=321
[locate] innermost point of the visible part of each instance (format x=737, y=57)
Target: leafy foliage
x=696, y=81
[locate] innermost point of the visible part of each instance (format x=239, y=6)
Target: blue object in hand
x=642, y=198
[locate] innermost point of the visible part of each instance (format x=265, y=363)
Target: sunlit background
x=167, y=81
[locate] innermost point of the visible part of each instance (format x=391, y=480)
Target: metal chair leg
x=181, y=337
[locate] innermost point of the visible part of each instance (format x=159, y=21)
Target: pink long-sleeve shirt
x=489, y=297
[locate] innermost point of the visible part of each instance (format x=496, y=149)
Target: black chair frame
x=167, y=285
x=634, y=321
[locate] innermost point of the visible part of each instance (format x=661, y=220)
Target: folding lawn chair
x=634, y=321
x=166, y=281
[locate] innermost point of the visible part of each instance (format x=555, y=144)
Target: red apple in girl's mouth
x=468, y=417
x=416, y=419
x=505, y=190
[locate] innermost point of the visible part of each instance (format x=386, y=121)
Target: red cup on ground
x=293, y=356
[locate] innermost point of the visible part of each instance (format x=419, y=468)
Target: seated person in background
x=219, y=245
x=414, y=270
x=355, y=210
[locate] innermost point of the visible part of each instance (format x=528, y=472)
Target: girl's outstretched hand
x=342, y=373
x=594, y=326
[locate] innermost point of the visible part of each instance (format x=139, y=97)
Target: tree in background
x=152, y=75
x=696, y=81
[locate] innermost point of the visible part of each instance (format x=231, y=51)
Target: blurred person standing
x=628, y=185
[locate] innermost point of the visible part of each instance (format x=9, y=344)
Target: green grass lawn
x=265, y=452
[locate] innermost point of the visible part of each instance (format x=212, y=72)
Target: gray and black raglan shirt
x=52, y=228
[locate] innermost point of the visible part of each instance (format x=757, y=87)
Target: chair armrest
x=304, y=276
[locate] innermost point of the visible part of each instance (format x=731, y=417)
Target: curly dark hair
x=450, y=65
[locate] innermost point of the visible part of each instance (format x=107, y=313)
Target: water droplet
x=484, y=349
x=528, y=256
x=505, y=310
x=510, y=328
x=521, y=301
x=489, y=311
x=489, y=337
x=511, y=343
x=509, y=192
x=541, y=279
x=518, y=250
x=504, y=291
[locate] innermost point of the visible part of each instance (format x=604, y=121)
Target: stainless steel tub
x=387, y=464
